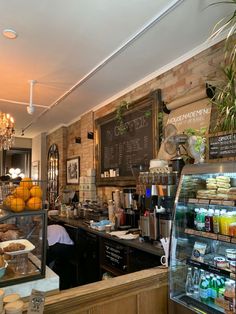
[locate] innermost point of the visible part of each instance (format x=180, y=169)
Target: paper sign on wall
x=195, y=115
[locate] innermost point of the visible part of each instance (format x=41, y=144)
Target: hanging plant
x=122, y=128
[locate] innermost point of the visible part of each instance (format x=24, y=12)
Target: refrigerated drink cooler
x=203, y=245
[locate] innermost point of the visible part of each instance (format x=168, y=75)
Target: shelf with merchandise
x=200, y=243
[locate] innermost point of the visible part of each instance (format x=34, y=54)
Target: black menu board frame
x=222, y=146
x=137, y=145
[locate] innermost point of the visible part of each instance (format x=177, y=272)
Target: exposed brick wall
x=203, y=67
x=87, y=145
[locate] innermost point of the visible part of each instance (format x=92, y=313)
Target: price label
x=223, y=238
x=203, y=201
x=193, y=200
x=216, y=202
x=228, y=203
x=233, y=240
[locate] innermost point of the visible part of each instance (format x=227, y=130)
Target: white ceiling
x=61, y=42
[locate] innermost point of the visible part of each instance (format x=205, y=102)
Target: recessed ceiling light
x=9, y=33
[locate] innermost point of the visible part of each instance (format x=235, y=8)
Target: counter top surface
x=75, y=298
x=79, y=223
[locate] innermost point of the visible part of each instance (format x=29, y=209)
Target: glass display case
x=23, y=224
x=203, y=243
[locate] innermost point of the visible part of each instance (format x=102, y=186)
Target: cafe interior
x=117, y=175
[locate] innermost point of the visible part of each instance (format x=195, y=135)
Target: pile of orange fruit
x=26, y=196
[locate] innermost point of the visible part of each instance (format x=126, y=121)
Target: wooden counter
x=143, y=292
x=143, y=246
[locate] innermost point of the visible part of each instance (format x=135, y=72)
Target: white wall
x=22, y=142
x=39, y=154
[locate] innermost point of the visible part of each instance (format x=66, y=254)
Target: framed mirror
x=53, y=175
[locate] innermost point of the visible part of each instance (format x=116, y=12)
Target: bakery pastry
x=222, y=196
x=2, y=261
x=211, y=186
x=6, y=227
x=232, y=197
x=223, y=185
x=9, y=235
x=211, y=180
x=222, y=191
x=14, y=246
x=223, y=179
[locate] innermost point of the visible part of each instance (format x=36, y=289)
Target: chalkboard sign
x=222, y=146
x=136, y=146
x=114, y=255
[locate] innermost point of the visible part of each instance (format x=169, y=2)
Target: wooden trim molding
x=128, y=293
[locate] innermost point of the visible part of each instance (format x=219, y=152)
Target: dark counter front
x=98, y=252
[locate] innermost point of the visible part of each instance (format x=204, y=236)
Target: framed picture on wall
x=72, y=170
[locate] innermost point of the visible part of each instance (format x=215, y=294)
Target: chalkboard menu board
x=136, y=146
x=222, y=146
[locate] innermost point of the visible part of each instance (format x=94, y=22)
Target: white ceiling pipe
x=20, y=103
x=30, y=108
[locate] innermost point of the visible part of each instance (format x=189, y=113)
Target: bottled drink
x=196, y=281
x=203, y=290
x=229, y=297
x=209, y=220
x=189, y=282
x=214, y=289
x=223, y=221
x=196, y=211
x=216, y=221
x=201, y=219
x=208, y=279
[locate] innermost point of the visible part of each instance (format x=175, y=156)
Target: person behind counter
x=60, y=251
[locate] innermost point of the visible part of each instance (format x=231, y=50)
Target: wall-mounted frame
x=117, y=153
x=53, y=174
x=72, y=170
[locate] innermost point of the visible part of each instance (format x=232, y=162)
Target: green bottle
x=203, y=290
x=214, y=289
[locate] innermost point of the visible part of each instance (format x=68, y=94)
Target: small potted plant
x=196, y=144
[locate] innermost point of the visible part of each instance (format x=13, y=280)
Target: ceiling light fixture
x=6, y=131
x=9, y=33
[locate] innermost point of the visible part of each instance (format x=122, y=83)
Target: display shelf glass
x=203, y=245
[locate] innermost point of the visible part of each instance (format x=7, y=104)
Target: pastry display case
x=203, y=243
x=23, y=224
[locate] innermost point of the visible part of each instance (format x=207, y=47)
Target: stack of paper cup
x=117, y=201
x=11, y=298
x=15, y=307
x=2, y=292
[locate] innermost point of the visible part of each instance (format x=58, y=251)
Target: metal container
x=128, y=198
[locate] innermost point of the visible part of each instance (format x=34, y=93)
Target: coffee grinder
x=166, y=188
x=130, y=206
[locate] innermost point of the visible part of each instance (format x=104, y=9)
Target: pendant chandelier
x=6, y=131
